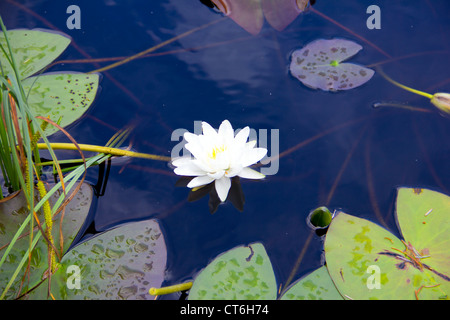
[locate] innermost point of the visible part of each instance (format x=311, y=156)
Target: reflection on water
x=336, y=149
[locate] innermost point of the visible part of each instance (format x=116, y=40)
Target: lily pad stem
x=106, y=150
x=170, y=289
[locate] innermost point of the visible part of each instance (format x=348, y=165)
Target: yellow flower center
x=216, y=150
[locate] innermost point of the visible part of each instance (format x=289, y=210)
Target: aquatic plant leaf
x=318, y=65
x=65, y=97
x=32, y=49
x=121, y=263
x=363, y=264
x=319, y=218
x=248, y=14
x=14, y=212
x=315, y=286
x=242, y=273
x=280, y=13
x=423, y=217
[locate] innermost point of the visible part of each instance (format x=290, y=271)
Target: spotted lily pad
x=243, y=273
x=318, y=65
x=33, y=49
x=121, y=263
x=13, y=213
x=65, y=97
x=366, y=261
x=315, y=286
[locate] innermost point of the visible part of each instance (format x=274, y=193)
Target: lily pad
x=249, y=14
x=14, y=212
x=366, y=261
x=121, y=263
x=242, y=273
x=280, y=13
x=315, y=286
x=33, y=49
x=65, y=97
x=318, y=65
x=423, y=216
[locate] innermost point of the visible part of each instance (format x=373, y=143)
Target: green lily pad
x=14, y=212
x=33, y=49
x=315, y=286
x=242, y=273
x=424, y=219
x=318, y=65
x=366, y=261
x=121, y=263
x=65, y=97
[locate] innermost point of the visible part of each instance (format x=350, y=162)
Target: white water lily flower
x=219, y=156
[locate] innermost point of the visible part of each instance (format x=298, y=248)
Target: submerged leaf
x=318, y=65
x=243, y=273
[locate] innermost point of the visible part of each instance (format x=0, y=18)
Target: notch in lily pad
x=318, y=65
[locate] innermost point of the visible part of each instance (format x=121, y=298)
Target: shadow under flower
x=235, y=195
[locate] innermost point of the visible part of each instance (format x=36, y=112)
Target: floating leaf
x=243, y=273
x=32, y=49
x=315, y=286
x=366, y=261
x=249, y=14
x=423, y=216
x=318, y=65
x=65, y=97
x=122, y=263
x=14, y=212
x=280, y=13
x=320, y=218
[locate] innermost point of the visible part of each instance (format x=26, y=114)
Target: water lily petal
x=202, y=165
x=189, y=169
x=200, y=181
x=242, y=136
x=223, y=185
x=251, y=144
x=217, y=175
x=233, y=171
x=190, y=137
x=252, y=156
x=248, y=173
x=226, y=132
x=177, y=162
x=208, y=130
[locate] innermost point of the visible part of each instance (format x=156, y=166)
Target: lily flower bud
x=441, y=101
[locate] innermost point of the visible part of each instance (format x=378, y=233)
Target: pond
x=348, y=150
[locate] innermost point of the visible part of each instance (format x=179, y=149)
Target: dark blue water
x=222, y=72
